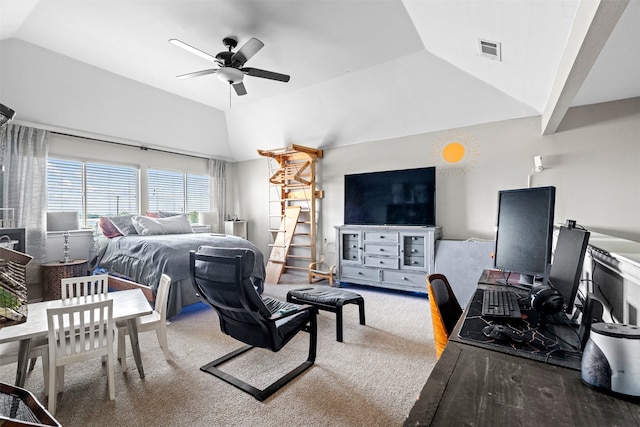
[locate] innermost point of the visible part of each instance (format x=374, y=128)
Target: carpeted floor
x=371, y=379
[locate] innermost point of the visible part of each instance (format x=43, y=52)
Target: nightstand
x=236, y=228
x=53, y=272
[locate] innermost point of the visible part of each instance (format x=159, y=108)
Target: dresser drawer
x=360, y=273
x=350, y=239
x=414, y=261
x=406, y=279
x=381, y=262
x=350, y=254
x=414, y=247
x=381, y=236
x=373, y=249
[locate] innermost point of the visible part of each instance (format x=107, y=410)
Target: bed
x=134, y=255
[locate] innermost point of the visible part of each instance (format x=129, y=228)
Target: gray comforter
x=144, y=259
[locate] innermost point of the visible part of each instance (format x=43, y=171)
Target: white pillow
x=147, y=226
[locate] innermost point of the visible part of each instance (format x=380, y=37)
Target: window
x=93, y=189
x=110, y=190
x=64, y=185
x=178, y=192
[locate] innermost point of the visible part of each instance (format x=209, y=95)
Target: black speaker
x=545, y=299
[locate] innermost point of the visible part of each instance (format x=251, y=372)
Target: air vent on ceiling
x=491, y=50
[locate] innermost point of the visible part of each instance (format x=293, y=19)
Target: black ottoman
x=330, y=299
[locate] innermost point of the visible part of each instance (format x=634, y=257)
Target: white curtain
x=217, y=172
x=23, y=155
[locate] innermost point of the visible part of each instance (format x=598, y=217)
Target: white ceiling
x=360, y=70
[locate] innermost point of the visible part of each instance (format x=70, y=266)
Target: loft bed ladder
x=293, y=200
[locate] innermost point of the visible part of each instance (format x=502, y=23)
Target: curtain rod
x=141, y=147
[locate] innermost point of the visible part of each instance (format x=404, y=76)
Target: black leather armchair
x=221, y=279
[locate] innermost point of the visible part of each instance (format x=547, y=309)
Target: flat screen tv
x=524, y=231
x=399, y=197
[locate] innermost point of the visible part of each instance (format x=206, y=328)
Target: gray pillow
x=123, y=224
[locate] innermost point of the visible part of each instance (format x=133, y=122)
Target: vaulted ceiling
x=360, y=70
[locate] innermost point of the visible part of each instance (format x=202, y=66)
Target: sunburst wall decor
x=454, y=152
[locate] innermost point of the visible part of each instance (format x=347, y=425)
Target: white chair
x=156, y=321
x=73, y=287
x=39, y=348
x=92, y=323
x=84, y=285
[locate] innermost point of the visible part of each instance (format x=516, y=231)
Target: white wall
x=594, y=162
x=51, y=89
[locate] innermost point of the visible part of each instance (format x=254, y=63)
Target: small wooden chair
x=79, y=332
x=156, y=321
x=317, y=272
x=74, y=287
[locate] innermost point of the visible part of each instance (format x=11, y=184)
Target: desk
x=475, y=386
x=479, y=386
x=127, y=305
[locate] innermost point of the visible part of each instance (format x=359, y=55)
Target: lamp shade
x=63, y=221
x=207, y=218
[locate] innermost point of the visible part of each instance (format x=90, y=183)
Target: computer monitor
x=524, y=231
x=566, y=267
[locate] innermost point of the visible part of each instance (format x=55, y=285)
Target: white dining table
x=127, y=305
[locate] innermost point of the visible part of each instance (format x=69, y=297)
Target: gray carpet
x=371, y=379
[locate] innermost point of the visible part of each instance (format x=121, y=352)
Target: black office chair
x=221, y=279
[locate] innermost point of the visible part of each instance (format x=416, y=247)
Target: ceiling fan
x=231, y=64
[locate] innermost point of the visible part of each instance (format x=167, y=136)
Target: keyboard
x=500, y=303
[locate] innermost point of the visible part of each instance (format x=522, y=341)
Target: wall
x=593, y=160
x=47, y=88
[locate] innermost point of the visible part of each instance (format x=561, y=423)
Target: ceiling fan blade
x=193, y=50
x=240, y=89
x=256, y=72
x=197, y=74
x=243, y=54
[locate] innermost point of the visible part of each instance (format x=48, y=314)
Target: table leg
x=23, y=361
x=135, y=345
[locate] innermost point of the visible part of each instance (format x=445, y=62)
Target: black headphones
x=546, y=299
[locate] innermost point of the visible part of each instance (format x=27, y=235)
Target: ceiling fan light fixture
x=230, y=75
